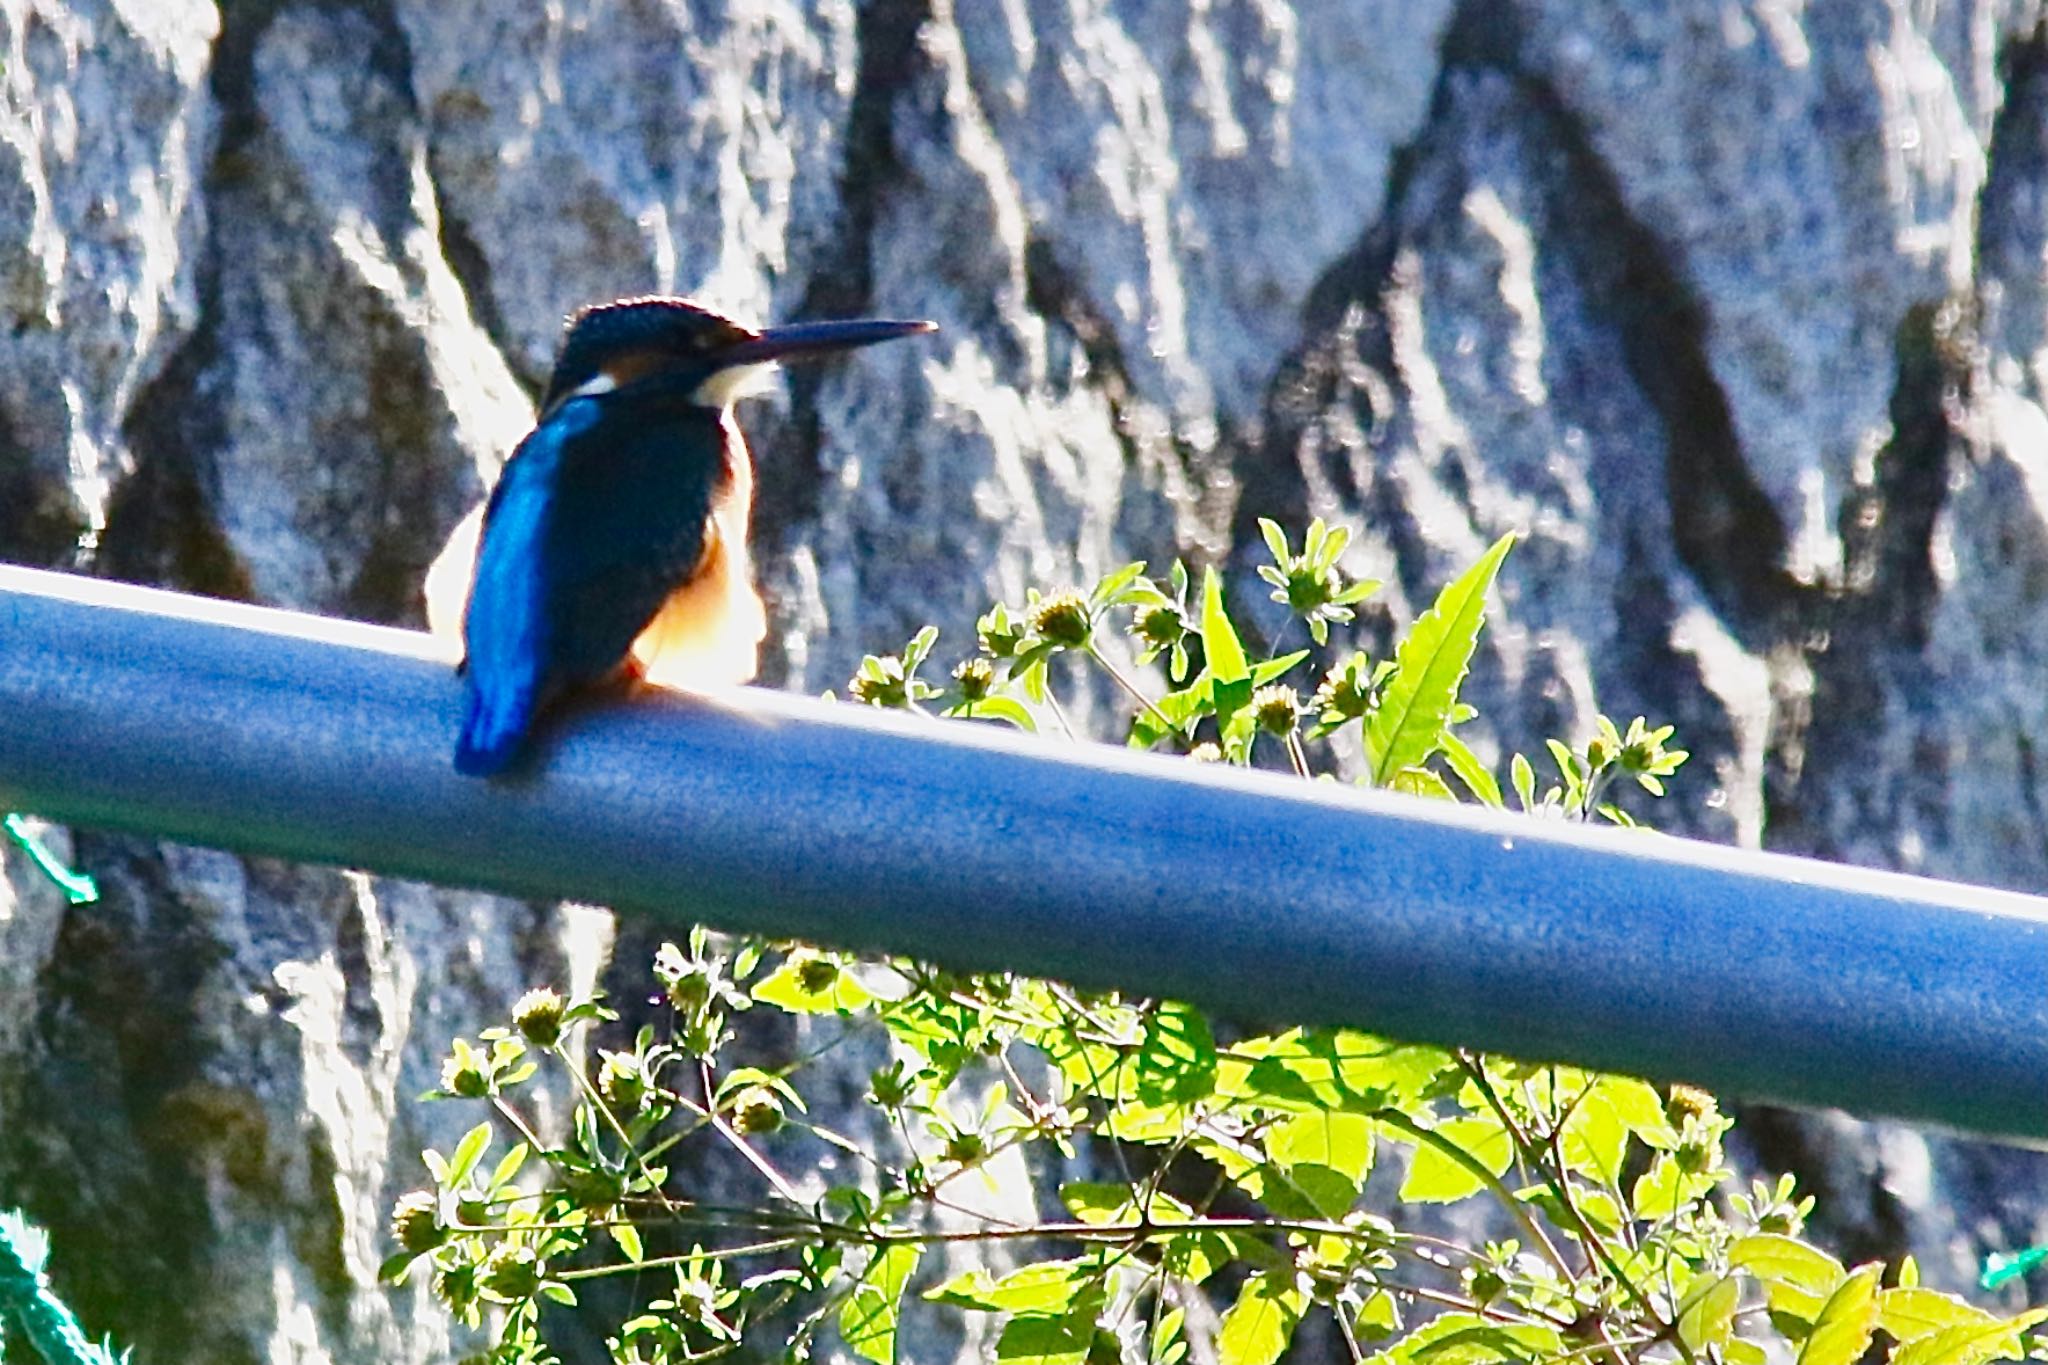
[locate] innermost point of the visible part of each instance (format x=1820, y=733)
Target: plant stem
x=683, y=1258
x=1394, y=1118
x=1058, y=712
x=1127, y=685
x=590, y=1093
x=1594, y=1244
x=1350, y=1337
x=1595, y=786
x=732, y=1136
x=511, y=1116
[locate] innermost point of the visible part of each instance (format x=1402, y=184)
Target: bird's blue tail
x=493, y=730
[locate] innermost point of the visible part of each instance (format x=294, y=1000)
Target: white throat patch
x=736, y=381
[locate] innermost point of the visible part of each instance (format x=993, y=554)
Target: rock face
x=1739, y=312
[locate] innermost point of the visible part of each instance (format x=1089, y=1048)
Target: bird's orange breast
x=708, y=632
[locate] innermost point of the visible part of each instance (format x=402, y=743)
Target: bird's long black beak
x=800, y=340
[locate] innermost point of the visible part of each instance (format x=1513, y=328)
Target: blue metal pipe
x=1758, y=976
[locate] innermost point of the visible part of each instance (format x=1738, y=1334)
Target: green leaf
x=1970, y=1343
x=1195, y=1256
x=1379, y=1316
x=1597, y=1132
x=1007, y=709
x=467, y=1153
x=1524, y=778
x=1137, y=1121
x=1909, y=1311
x=628, y=1238
x=1422, y=782
x=839, y=990
x=1182, y=709
x=750, y=1078
x=1706, y=1315
x=867, y=1322
x=1273, y=668
x=1300, y=1192
x=1776, y=1259
x=1324, y=1157
x=1638, y=1105
x=1435, y=1177
x=1343, y=1142
x=507, y=1168
x=1668, y=1187
x=1235, y=723
x=1111, y=584
x=1594, y=1141
x=1044, y=1341
x=1167, y=1347
x=1326, y=1069
x=1471, y=771
x=1460, y=1339
x=1408, y=724
x=1095, y=1201
x=1846, y=1322
x=1259, y=1325
x=1567, y=762
x=1220, y=645
x=1048, y=1287
x=1177, y=1058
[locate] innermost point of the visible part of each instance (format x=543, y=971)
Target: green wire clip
x=25, y=1294
x=2002, y=1267
x=77, y=887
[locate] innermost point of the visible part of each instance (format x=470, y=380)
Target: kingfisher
x=614, y=545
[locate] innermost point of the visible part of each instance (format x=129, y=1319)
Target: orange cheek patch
x=624, y=369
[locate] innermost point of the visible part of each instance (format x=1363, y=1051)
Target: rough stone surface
x=1737, y=312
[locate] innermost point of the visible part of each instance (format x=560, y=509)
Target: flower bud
x=512, y=1273
x=538, y=1017
x=975, y=676
x=1277, y=709
x=622, y=1082
x=1063, y=618
x=416, y=1222
x=460, y=1075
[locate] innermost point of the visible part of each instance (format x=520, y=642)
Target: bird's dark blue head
x=612, y=345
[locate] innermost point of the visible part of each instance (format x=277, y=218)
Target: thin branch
x=1058, y=713
x=1394, y=1118
x=1595, y=1245
x=732, y=1136
x=1127, y=685
x=590, y=1093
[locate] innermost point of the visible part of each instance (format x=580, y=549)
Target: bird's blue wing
x=600, y=514
x=506, y=626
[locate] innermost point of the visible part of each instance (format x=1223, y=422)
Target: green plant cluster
x=1235, y=1205
x=1405, y=708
